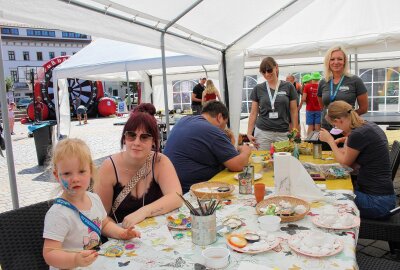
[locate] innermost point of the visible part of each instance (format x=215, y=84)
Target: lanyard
x=333, y=94
x=84, y=219
x=272, y=98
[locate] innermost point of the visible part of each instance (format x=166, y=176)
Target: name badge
x=273, y=115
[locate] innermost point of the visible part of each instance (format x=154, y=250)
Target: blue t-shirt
x=198, y=150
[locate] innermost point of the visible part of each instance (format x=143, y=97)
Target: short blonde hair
x=327, y=71
x=68, y=148
x=339, y=109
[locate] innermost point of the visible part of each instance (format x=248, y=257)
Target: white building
x=24, y=45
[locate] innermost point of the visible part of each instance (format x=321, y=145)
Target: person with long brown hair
x=138, y=182
x=365, y=148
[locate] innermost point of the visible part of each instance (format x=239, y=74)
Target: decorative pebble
x=178, y=221
x=179, y=235
x=129, y=246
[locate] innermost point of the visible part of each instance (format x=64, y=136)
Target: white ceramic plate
x=269, y=246
x=356, y=223
x=257, y=176
x=301, y=236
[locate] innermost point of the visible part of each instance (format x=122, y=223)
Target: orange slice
x=237, y=241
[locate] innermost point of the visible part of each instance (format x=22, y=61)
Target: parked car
x=23, y=103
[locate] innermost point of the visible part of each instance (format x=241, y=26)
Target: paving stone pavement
x=35, y=183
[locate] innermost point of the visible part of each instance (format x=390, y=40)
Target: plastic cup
x=259, y=191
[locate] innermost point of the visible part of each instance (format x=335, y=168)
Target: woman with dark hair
x=138, y=182
x=273, y=107
x=145, y=107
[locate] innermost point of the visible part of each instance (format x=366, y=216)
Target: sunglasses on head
x=131, y=136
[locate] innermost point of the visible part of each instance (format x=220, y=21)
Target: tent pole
x=226, y=90
x=164, y=68
x=164, y=71
x=7, y=135
x=129, y=91
x=356, y=64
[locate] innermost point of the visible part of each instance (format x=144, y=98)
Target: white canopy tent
x=111, y=60
x=226, y=31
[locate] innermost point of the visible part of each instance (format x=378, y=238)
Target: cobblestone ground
x=35, y=183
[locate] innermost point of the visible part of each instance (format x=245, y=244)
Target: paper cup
x=216, y=257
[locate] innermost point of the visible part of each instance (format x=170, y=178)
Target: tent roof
x=105, y=59
x=285, y=28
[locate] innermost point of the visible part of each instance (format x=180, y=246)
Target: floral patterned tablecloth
x=160, y=248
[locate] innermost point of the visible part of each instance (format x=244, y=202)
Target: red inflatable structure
x=107, y=106
x=89, y=92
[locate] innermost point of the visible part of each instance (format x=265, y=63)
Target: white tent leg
x=7, y=136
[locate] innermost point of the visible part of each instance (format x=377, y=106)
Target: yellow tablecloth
x=392, y=135
x=268, y=179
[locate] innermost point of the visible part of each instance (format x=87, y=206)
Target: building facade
x=24, y=45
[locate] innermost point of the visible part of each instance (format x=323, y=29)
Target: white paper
x=253, y=266
x=282, y=173
x=291, y=178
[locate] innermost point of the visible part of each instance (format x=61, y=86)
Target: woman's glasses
x=130, y=136
x=269, y=70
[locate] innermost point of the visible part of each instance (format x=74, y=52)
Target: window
x=383, y=88
x=73, y=35
x=63, y=53
x=40, y=33
x=14, y=76
x=25, y=56
x=51, y=55
x=10, y=31
x=182, y=94
x=11, y=55
x=39, y=56
x=248, y=84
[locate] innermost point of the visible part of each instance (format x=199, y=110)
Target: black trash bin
x=42, y=134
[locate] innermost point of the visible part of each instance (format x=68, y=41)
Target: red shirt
x=311, y=89
x=209, y=97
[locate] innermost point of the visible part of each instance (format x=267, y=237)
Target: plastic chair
x=394, y=156
x=366, y=262
x=385, y=230
x=21, y=233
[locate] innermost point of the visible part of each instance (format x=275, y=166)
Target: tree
x=9, y=84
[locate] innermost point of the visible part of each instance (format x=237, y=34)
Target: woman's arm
x=294, y=114
x=362, y=101
x=346, y=156
x=203, y=98
x=218, y=95
x=303, y=99
x=166, y=177
x=321, y=104
x=252, y=122
x=104, y=185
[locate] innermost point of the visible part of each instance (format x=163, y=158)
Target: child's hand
x=129, y=233
x=85, y=257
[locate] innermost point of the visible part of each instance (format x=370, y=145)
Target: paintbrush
x=189, y=205
x=70, y=250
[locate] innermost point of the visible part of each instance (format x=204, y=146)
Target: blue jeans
x=374, y=206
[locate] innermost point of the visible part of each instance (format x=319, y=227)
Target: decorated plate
x=179, y=222
x=257, y=176
x=317, y=221
x=265, y=244
x=296, y=241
